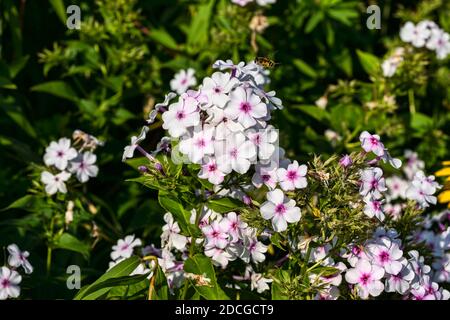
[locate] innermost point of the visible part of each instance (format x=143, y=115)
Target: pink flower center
x=184, y=81
x=5, y=283
x=212, y=167
x=265, y=177
x=292, y=175
x=374, y=141
x=376, y=205
x=180, y=115
x=217, y=89
x=124, y=246
x=201, y=143
x=280, y=209
x=374, y=183
x=364, y=279
x=245, y=107
x=234, y=153
x=60, y=154
x=384, y=256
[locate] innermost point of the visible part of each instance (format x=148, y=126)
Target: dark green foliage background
x=101, y=78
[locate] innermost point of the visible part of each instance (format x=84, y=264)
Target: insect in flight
x=265, y=62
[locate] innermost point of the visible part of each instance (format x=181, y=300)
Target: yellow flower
x=444, y=196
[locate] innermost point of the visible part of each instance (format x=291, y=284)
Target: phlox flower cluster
x=67, y=157
x=372, y=184
x=436, y=236
x=427, y=34
x=413, y=185
x=10, y=277
x=380, y=265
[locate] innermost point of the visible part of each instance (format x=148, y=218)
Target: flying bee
x=265, y=62
x=86, y=140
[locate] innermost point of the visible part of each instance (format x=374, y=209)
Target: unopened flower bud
x=143, y=169
x=346, y=161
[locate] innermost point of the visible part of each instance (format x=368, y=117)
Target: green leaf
x=98, y=289
x=168, y=202
x=199, y=29
x=18, y=116
x=163, y=37
x=315, y=112
x=18, y=65
x=313, y=21
x=276, y=290
x=60, y=9
x=303, y=67
x=161, y=290
x=201, y=265
x=275, y=239
x=344, y=117
x=68, y=242
x=344, y=16
x=28, y=203
x=421, y=122
x=123, y=268
x=369, y=62
x=224, y=205
x=7, y=84
x=58, y=89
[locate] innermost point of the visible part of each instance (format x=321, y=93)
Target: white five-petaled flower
x=19, y=258
x=253, y=249
x=372, y=143
x=235, y=153
x=217, y=88
x=245, y=106
x=264, y=140
x=84, y=166
x=372, y=181
x=440, y=42
x=179, y=117
x=211, y=171
x=232, y=224
x=259, y=283
x=9, y=283
x=216, y=235
x=199, y=145
x=129, y=150
x=124, y=247
x=415, y=34
x=280, y=209
x=55, y=183
x=422, y=189
x=183, y=80
x=366, y=277
x=294, y=177
x=401, y=281
x=59, y=153
x=171, y=234
x=265, y=174
x=386, y=254
x=373, y=208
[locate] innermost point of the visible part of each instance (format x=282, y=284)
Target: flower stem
x=49, y=259
x=412, y=105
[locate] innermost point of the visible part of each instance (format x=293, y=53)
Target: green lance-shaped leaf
x=122, y=269
x=369, y=62
x=58, y=89
x=201, y=265
x=69, y=242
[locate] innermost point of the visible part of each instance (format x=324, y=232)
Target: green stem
x=49, y=259
x=412, y=105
